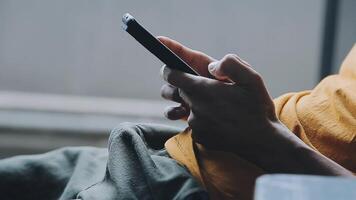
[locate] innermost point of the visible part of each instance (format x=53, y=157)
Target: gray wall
x=345, y=36
x=78, y=47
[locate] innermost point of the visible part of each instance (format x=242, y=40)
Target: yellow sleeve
x=325, y=117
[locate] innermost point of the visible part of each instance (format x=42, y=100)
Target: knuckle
x=230, y=58
x=169, y=77
x=183, y=96
x=181, y=93
x=227, y=61
x=166, y=92
x=187, y=92
x=171, y=93
x=192, y=121
x=174, y=92
x=257, y=77
x=163, y=90
x=196, y=112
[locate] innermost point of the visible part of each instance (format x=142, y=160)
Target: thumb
x=233, y=68
x=213, y=70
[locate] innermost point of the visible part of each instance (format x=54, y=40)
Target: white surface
x=302, y=187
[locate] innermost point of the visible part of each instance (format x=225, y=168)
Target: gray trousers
x=135, y=166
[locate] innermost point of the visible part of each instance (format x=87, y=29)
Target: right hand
x=275, y=149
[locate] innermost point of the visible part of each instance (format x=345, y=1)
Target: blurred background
x=69, y=73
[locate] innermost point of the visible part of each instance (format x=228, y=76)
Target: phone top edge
x=152, y=44
x=127, y=18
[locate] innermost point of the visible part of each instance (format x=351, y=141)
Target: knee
x=124, y=131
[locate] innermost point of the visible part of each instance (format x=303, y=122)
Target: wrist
x=286, y=153
x=277, y=151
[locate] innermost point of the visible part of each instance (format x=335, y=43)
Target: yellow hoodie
x=324, y=118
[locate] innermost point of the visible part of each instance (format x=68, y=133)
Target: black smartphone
x=153, y=45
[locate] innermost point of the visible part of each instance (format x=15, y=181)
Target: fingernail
x=163, y=71
x=212, y=66
x=180, y=110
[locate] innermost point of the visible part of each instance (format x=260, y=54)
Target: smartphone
x=153, y=45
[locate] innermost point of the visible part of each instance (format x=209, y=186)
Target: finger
x=185, y=81
x=233, y=68
x=200, y=132
x=216, y=74
x=196, y=59
x=176, y=112
x=240, y=72
x=186, y=99
x=171, y=93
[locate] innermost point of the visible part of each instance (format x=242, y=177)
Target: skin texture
x=229, y=109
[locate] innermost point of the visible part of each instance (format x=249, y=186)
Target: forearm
x=315, y=163
x=291, y=155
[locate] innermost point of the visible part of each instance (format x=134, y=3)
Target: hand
x=199, y=61
x=215, y=105
x=232, y=111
